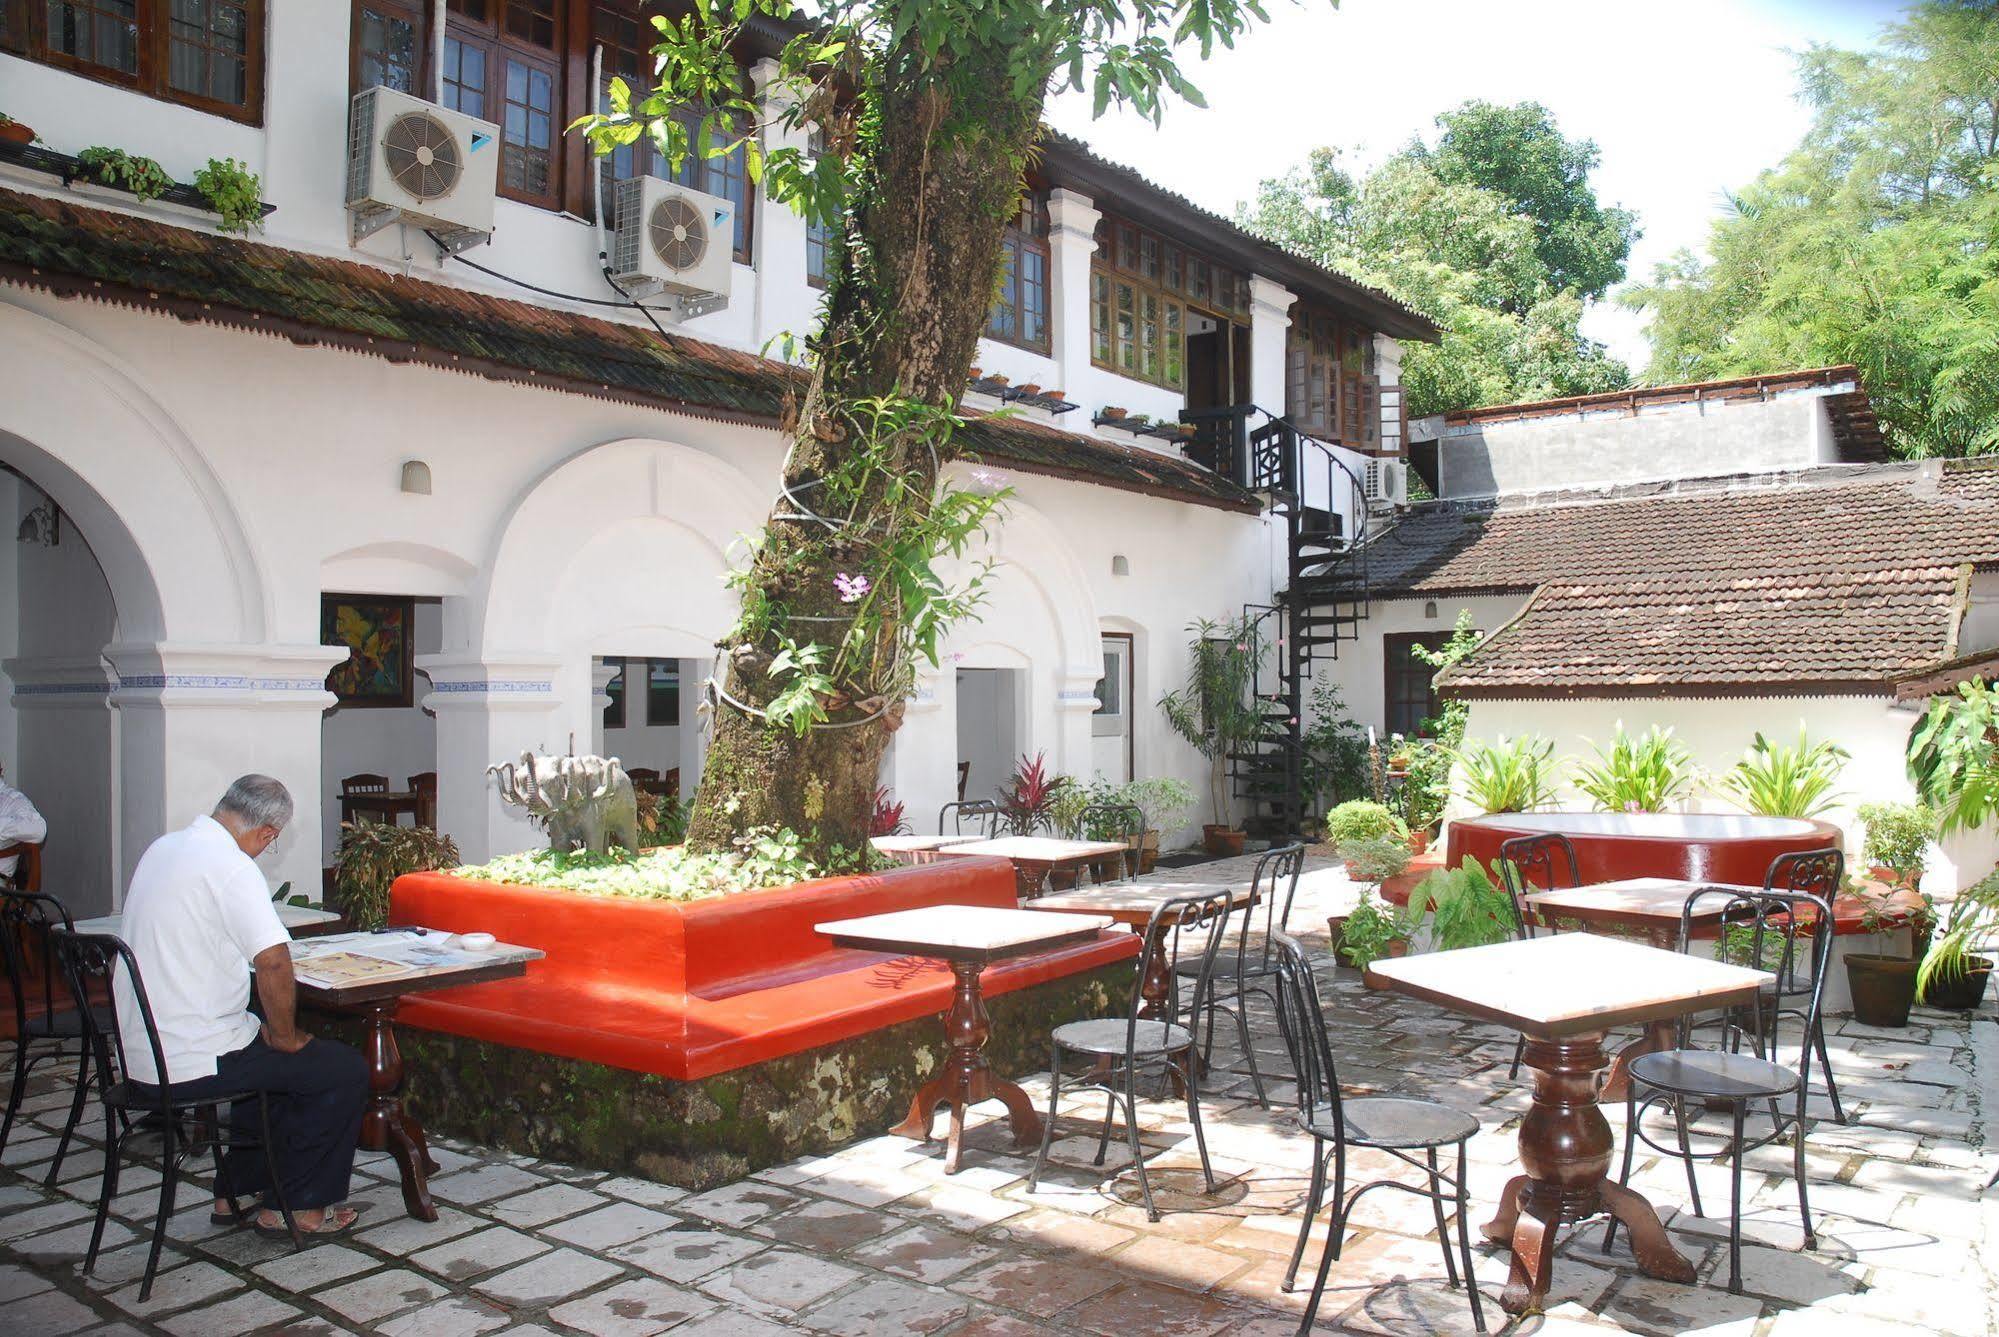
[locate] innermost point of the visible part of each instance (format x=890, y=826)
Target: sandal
x=324, y=1228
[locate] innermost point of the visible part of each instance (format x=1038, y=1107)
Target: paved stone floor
x=877, y=1241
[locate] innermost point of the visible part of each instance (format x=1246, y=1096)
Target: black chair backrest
x=27, y=919
x=1788, y=933
x=982, y=813
x=1301, y=1017
x=1810, y=873
x=1111, y=821
x=1186, y=928
x=90, y=962
x=1528, y=864
x=1276, y=884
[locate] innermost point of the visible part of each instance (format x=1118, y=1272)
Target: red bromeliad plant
x=888, y=818
x=1028, y=799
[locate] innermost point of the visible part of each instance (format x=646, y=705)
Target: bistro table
x=301, y=921
x=1034, y=857
x=1651, y=906
x=916, y=849
x=1563, y=992
x=367, y=974
x=1133, y=904
x=387, y=807
x=969, y=938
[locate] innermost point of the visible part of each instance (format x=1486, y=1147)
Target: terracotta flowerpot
x=1964, y=992
x=1397, y=948
x=1221, y=841
x=1419, y=840
x=1883, y=988
x=16, y=133
x=1030, y=389
x=1054, y=394
x=1148, y=852
x=1114, y=414
x=1336, y=934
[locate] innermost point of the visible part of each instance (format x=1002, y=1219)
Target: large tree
x=1470, y=255
x=1875, y=242
x=928, y=112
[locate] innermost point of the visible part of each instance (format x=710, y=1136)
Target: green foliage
x=761, y=858
x=1370, y=930
x=1642, y=774
x=234, y=192
x=372, y=855
x=1216, y=710
x=1375, y=859
x=1898, y=834
x=1871, y=243
x=1163, y=799
x=143, y=177
x=1335, y=758
x=1360, y=819
x=1426, y=787
x=1465, y=906
x=1772, y=780
x=1495, y=234
x=1973, y=920
x=1510, y=775
x=1953, y=756
x=662, y=819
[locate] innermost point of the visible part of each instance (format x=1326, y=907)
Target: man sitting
x=20, y=824
x=198, y=919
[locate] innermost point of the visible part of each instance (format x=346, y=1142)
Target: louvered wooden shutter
x=1369, y=420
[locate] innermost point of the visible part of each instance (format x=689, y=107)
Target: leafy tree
x=927, y=111
x=1465, y=253
x=1872, y=243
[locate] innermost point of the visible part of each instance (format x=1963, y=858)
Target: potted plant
x=142, y=177
x=1216, y=711
x=1511, y=775
x=1113, y=413
x=233, y=192
x=1465, y=907
x=371, y=856
x=1898, y=835
x=1642, y=774
x=1164, y=800
x=1772, y=780
x=1372, y=860
x=1951, y=974
x=1884, y=986
x=1027, y=800
x=14, y=132
x=1359, y=819
x=1372, y=932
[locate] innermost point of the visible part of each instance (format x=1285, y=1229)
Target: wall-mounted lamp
x=42, y=525
x=1120, y=565
x=416, y=478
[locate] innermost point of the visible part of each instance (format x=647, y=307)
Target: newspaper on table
x=341, y=960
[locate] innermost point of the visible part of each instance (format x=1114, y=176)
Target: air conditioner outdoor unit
x=669, y=239
x=411, y=161
x=1387, y=483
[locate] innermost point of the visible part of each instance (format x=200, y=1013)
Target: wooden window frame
x=1162, y=277
x=1329, y=359
x=1395, y=662
x=1026, y=235
x=490, y=37
x=154, y=22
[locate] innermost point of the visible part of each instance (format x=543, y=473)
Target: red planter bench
x=690, y=990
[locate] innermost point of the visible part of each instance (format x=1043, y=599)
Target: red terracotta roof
x=1834, y=579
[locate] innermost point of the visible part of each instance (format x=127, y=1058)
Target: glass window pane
x=101, y=32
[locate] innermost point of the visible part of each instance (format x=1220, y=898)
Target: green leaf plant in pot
x=1371, y=860
x=1952, y=975
x=1357, y=820
x=1373, y=932
x=1883, y=985
x=1898, y=838
x=1218, y=711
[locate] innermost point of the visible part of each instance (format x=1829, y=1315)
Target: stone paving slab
x=875, y=1241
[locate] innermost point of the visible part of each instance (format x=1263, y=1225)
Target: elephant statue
x=585, y=803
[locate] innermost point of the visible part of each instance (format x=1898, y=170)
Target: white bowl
x=476, y=942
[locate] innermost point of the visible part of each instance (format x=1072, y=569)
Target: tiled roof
x=1841, y=578
x=79, y=251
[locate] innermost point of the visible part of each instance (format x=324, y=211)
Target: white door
x=1110, y=726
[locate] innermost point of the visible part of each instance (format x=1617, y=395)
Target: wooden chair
x=964, y=775
x=27, y=874
x=643, y=777
x=365, y=783
x=424, y=785
x=670, y=784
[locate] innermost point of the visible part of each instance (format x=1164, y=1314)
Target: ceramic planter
x=1400, y=947
x=1883, y=987
x=13, y=132
x=1148, y=852
x=1221, y=841
x=1963, y=992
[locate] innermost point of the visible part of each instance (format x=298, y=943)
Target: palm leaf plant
x=1954, y=756
x=1642, y=773
x=1216, y=708
x=1510, y=775
x=1773, y=780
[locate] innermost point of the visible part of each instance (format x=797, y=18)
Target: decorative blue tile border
x=494, y=685
x=220, y=682
x=62, y=689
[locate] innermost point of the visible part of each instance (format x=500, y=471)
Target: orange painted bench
x=691, y=990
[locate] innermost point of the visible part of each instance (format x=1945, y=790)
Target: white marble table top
x=951, y=930
x=917, y=844
x=291, y=916
x=1136, y=898
x=1041, y=849
x=1636, y=898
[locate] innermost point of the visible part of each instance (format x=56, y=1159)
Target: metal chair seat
x=1107, y=1036
x=1714, y=1073
x=1226, y=969
x=1393, y=1123
x=66, y=1024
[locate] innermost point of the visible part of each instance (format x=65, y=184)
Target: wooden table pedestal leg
x=1565, y=1147
x=385, y=1124
x=967, y=1079
x=1660, y=1035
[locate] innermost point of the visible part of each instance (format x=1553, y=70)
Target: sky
x=1685, y=99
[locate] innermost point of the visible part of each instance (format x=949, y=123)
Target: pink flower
x=852, y=588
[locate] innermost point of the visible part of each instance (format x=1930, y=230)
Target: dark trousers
x=316, y=1098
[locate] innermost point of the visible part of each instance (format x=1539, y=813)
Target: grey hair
x=257, y=800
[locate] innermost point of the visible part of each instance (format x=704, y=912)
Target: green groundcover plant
x=763, y=858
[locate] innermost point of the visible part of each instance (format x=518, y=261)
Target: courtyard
x=876, y=1240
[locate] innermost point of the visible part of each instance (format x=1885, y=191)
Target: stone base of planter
x=698, y=1134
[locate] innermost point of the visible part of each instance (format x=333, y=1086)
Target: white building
x=204, y=438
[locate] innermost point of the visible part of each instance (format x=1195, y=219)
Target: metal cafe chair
x=982, y=814
x=43, y=1014
x=1813, y=873
x=1121, y=822
x=1401, y=1126
x=1189, y=928
x=1528, y=864
x=89, y=961
x=1251, y=967
x=1789, y=933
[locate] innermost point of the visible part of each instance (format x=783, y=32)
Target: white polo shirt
x=18, y=822
x=198, y=912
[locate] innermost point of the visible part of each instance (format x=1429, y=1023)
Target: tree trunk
x=940, y=160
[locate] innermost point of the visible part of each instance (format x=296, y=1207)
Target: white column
x=1072, y=240
x=67, y=765
x=192, y=718
x=489, y=712
x=695, y=726
x=785, y=301
x=1269, y=319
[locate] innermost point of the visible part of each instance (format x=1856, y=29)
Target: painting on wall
x=376, y=632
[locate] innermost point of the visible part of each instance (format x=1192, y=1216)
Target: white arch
x=645, y=526
x=397, y=567
x=1036, y=568
x=81, y=426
